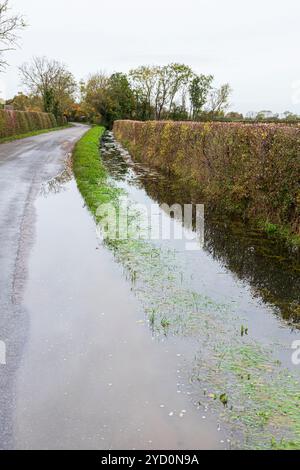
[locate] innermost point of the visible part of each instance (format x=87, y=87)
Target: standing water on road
x=236, y=303
x=167, y=348
x=91, y=375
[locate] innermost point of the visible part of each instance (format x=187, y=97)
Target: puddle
x=92, y=377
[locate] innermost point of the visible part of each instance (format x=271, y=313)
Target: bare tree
x=50, y=80
x=9, y=26
x=219, y=98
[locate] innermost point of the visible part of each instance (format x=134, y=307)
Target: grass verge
x=90, y=173
x=231, y=372
x=4, y=140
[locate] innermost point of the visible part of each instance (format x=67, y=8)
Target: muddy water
x=92, y=376
x=257, y=276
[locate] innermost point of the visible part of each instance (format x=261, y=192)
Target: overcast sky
x=252, y=45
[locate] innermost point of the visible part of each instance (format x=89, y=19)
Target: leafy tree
x=22, y=102
x=106, y=99
x=289, y=116
x=9, y=26
x=143, y=81
x=122, y=96
x=199, y=89
x=98, y=100
x=78, y=113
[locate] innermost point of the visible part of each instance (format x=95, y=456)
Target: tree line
x=172, y=91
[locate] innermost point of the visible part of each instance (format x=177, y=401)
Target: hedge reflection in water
x=267, y=264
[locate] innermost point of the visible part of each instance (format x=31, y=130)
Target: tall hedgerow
x=19, y=122
x=249, y=169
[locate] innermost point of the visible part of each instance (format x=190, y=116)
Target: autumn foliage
x=21, y=122
x=249, y=169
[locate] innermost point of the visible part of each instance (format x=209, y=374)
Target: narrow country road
x=24, y=165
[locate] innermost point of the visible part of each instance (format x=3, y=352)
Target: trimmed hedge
x=248, y=169
x=21, y=122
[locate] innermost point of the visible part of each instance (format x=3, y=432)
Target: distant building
x=8, y=107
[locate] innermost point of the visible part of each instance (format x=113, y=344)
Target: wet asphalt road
x=24, y=166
